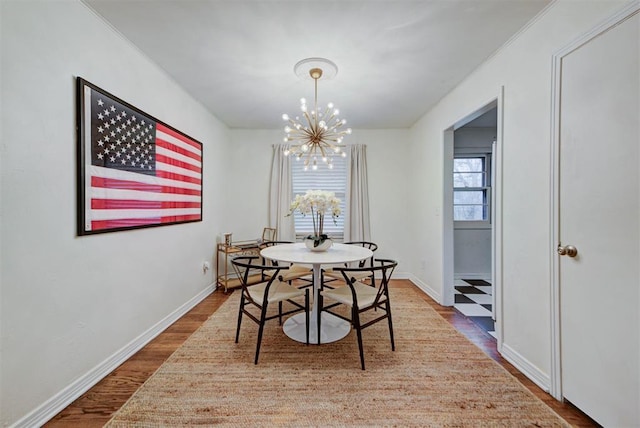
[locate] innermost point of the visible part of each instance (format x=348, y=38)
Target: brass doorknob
x=568, y=250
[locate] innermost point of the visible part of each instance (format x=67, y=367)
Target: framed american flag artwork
x=134, y=171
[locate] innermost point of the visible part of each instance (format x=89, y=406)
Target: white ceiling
x=395, y=59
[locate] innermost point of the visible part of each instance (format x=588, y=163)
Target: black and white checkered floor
x=473, y=298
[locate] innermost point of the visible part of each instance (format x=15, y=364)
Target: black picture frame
x=134, y=171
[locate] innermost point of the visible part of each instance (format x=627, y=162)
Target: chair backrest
x=383, y=269
x=366, y=244
x=251, y=271
x=271, y=243
x=266, y=244
x=269, y=234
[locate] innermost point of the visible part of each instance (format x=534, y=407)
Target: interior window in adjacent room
x=472, y=188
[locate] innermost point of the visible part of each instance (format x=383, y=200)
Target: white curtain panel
x=356, y=224
x=280, y=194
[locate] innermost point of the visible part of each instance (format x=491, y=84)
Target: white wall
x=69, y=303
x=250, y=162
x=523, y=67
x=248, y=183
x=474, y=139
x=472, y=254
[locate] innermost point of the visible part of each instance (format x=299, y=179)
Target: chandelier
x=317, y=136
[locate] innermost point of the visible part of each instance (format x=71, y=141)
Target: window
x=471, y=188
x=332, y=180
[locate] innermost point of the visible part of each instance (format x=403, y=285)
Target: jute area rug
x=436, y=377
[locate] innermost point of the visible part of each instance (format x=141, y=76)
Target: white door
x=600, y=216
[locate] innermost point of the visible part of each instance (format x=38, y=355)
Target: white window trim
x=477, y=224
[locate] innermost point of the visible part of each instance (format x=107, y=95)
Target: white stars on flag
x=132, y=136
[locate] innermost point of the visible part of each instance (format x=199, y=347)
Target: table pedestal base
x=332, y=329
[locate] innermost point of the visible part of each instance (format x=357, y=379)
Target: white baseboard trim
x=526, y=367
x=425, y=287
x=69, y=394
x=484, y=276
x=401, y=275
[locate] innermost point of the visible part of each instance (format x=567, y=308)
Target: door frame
x=555, y=387
x=447, y=298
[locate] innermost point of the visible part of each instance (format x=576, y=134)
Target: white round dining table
x=332, y=327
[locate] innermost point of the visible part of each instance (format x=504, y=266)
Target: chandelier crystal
x=317, y=136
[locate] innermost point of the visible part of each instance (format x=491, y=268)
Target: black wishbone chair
x=260, y=295
x=294, y=271
x=361, y=297
x=330, y=275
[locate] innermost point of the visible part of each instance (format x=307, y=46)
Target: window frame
x=322, y=169
x=475, y=224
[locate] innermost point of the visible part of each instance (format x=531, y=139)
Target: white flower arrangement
x=317, y=203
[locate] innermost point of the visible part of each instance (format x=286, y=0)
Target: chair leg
x=356, y=324
x=306, y=312
x=319, y=320
x=388, y=306
x=240, y=317
x=373, y=284
x=279, y=313
x=263, y=315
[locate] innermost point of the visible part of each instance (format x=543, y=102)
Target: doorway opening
x=470, y=163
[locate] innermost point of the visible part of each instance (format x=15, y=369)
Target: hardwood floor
x=487, y=343
x=95, y=407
